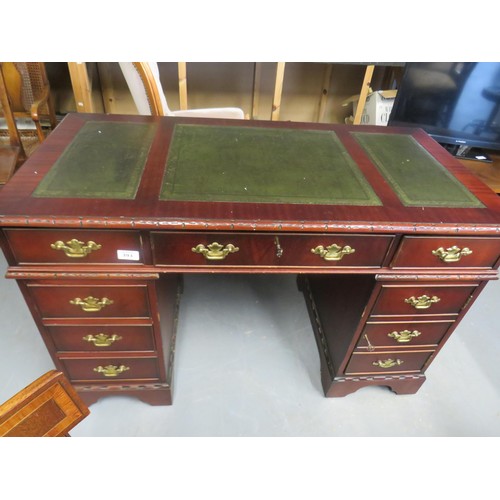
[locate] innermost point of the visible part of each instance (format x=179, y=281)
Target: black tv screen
x=458, y=104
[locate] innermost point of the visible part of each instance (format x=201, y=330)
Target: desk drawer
x=69, y=246
x=201, y=249
x=404, y=335
x=387, y=362
x=90, y=300
x=111, y=369
x=422, y=251
x=422, y=299
x=102, y=338
x=223, y=249
x=334, y=250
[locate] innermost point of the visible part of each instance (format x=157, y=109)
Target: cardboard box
x=377, y=108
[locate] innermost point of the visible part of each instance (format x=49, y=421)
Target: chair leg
x=39, y=131
x=52, y=113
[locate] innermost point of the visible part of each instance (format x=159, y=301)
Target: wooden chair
x=29, y=91
x=27, y=88
x=12, y=152
x=143, y=80
x=48, y=407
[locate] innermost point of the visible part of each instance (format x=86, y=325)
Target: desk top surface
x=178, y=173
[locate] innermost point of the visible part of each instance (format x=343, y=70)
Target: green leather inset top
x=414, y=174
x=104, y=160
x=265, y=165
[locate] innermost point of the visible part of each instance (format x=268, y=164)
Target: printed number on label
x=127, y=254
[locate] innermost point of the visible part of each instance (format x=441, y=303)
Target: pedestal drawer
x=90, y=300
x=422, y=299
x=102, y=338
x=421, y=251
x=387, y=362
x=111, y=369
x=407, y=335
x=68, y=246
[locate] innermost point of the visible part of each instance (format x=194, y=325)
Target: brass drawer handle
x=75, y=248
x=91, y=304
x=332, y=252
x=215, y=251
x=452, y=254
x=279, y=249
x=422, y=302
x=111, y=370
x=370, y=346
x=388, y=363
x=102, y=339
x=404, y=336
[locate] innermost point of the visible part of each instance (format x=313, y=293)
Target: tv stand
x=488, y=172
x=468, y=153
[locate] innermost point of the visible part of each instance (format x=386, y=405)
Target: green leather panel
x=264, y=165
x=104, y=160
x=414, y=174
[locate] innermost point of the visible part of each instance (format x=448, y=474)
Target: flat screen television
x=458, y=104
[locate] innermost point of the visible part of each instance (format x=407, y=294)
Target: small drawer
x=90, y=301
x=68, y=246
x=402, y=335
x=422, y=299
x=387, y=362
x=111, y=369
x=333, y=250
x=223, y=249
x=446, y=252
x=106, y=338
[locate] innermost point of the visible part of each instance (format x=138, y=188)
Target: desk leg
x=154, y=395
x=402, y=384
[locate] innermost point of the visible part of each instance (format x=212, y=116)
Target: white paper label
x=127, y=254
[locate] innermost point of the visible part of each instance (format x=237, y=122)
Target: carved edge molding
x=120, y=387
x=171, y=354
x=82, y=275
x=378, y=378
x=260, y=225
x=319, y=330
x=437, y=277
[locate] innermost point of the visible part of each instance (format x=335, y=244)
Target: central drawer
x=343, y=250
x=263, y=249
x=90, y=300
x=202, y=249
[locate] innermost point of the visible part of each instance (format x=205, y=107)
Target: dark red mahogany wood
x=18, y=208
x=354, y=301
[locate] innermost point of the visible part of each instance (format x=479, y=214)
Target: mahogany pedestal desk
x=391, y=238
